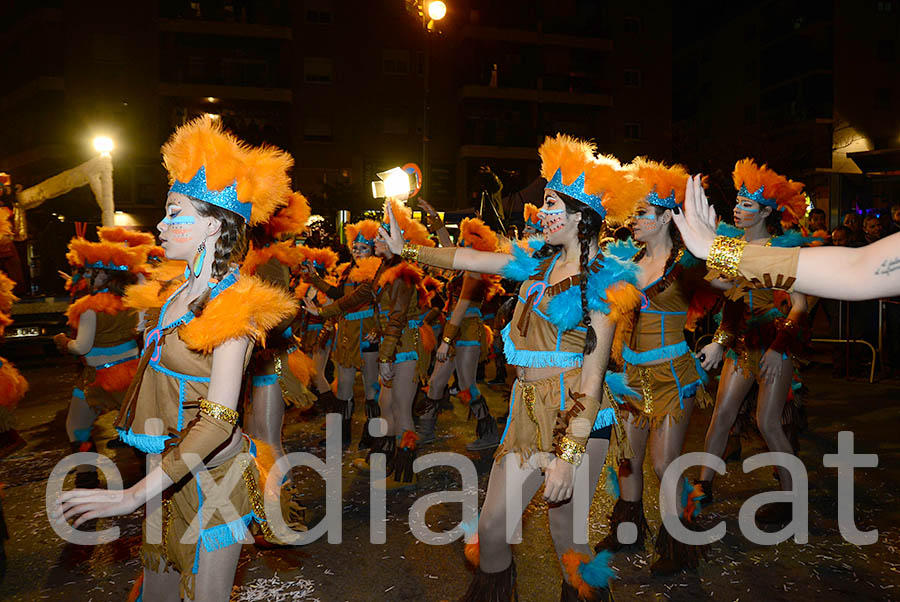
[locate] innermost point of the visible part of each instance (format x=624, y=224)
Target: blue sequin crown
x=758, y=197
x=668, y=202
x=576, y=191
x=364, y=240
x=226, y=198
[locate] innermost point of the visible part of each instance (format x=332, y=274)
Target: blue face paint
x=650, y=217
x=179, y=219
x=552, y=211
x=746, y=209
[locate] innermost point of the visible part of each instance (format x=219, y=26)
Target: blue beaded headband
x=758, y=197
x=226, y=198
x=668, y=202
x=576, y=191
x=99, y=265
x=364, y=240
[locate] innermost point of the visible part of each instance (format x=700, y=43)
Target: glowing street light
x=103, y=145
x=393, y=183
x=436, y=10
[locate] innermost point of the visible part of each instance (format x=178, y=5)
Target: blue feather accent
x=538, y=359
x=564, y=310
x=622, y=249
x=612, y=482
x=724, y=229
x=82, y=435
x=536, y=243
x=522, y=267
x=688, y=260
x=470, y=529
x=149, y=444
x=793, y=238
x=612, y=272
x=597, y=573
x=618, y=385
x=686, y=489
x=222, y=536
x=605, y=418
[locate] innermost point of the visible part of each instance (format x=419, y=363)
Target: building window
x=632, y=132
x=318, y=11
x=317, y=70
x=632, y=25
x=317, y=129
x=395, y=62
x=886, y=7
x=885, y=51
x=883, y=98
x=633, y=78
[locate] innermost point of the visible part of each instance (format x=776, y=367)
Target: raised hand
x=697, y=223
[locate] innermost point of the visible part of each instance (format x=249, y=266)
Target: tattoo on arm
x=888, y=266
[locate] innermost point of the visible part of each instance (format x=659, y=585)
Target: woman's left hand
x=559, y=480
x=393, y=240
x=697, y=222
x=310, y=306
x=386, y=371
x=87, y=504
x=443, y=352
x=770, y=366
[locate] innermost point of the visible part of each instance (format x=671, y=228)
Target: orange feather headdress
x=475, y=233
x=133, y=238
x=321, y=258
x=572, y=167
x=113, y=256
x=7, y=298
x=290, y=219
x=206, y=162
x=413, y=231
x=532, y=220
x=666, y=182
x=761, y=184
x=5, y=222
x=364, y=231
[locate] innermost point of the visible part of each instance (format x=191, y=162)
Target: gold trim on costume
x=528, y=395
x=723, y=337
x=217, y=410
x=725, y=255
x=570, y=451
x=410, y=252
x=256, y=503
x=646, y=389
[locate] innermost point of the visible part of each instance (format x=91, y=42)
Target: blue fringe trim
x=222, y=536
x=82, y=435
x=618, y=385
x=265, y=380
x=522, y=267
x=77, y=393
x=622, y=249
x=474, y=391
x=406, y=356
x=605, y=418
x=597, y=573
x=654, y=355
x=538, y=359
x=149, y=444
x=724, y=229
x=467, y=343
x=612, y=482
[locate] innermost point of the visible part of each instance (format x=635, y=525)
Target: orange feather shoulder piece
x=147, y=295
x=13, y=385
x=107, y=303
x=248, y=308
x=7, y=298
x=284, y=252
x=133, y=238
x=476, y=234
x=365, y=269
x=290, y=219
x=409, y=273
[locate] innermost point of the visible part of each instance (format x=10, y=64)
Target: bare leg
x=631, y=487
x=215, y=575
x=267, y=417
x=467, y=366
x=370, y=373
x=161, y=586
x=440, y=376
x=79, y=420
x=320, y=357
x=403, y=392
x=666, y=442
x=346, y=378
x=769, y=408
x=495, y=554
x=386, y=404
x=733, y=387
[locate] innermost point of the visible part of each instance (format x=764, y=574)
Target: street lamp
x=103, y=145
x=436, y=10
x=433, y=10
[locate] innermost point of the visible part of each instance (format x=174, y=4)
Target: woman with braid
x=658, y=362
x=402, y=361
x=560, y=340
x=761, y=338
x=185, y=397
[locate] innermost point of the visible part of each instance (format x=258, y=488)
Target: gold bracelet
x=410, y=252
x=570, y=451
x=725, y=255
x=217, y=410
x=447, y=340
x=723, y=337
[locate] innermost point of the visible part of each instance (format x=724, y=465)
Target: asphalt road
x=43, y=567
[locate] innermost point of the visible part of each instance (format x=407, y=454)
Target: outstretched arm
x=447, y=258
x=844, y=273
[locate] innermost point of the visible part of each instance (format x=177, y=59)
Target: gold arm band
x=723, y=337
x=447, y=340
x=217, y=410
x=769, y=267
x=725, y=255
x=451, y=331
x=439, y=258
x=570, y=451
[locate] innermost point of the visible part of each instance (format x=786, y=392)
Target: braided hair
x=231, y=246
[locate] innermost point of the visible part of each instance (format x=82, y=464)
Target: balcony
x=225, y=28
x=537, y=38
